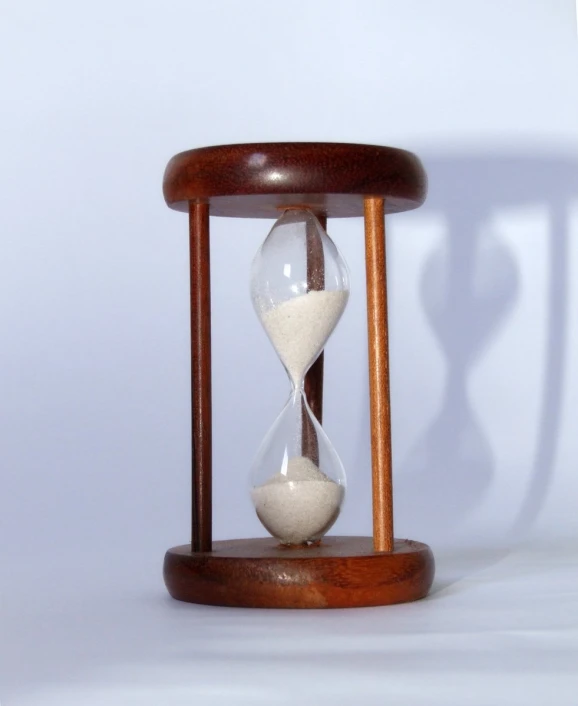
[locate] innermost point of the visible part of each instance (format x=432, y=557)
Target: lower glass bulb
x=298, y=480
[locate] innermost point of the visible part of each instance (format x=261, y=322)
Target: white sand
x=300, y=505
x=299, y=328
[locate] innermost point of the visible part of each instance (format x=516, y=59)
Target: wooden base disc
x=342, y=572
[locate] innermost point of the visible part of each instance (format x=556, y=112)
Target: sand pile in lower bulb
x=299, y=505
x=299, y=327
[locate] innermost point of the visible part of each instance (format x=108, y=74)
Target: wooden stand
x=257, y=181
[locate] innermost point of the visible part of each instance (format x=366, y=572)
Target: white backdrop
x=94, y=377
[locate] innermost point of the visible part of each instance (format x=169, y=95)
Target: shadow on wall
x=468, y=288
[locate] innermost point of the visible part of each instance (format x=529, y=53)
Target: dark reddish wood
x=314, y=394
x=315, y=256
x=255, y=180
x=342, y=572
x=314, y=379
x=314, y=387
x=201, y=378
x=379, y=400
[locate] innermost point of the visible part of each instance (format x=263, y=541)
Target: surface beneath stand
x=499, y=627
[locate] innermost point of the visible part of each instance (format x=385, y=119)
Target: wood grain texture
x=255, y=180
x=201, y=407
x=379, y=398
x=313, y=386
x=342, y=572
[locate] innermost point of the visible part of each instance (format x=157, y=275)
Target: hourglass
x=299, y=286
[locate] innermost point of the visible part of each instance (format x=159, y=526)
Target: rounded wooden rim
x=342, y=572
x=256, y=180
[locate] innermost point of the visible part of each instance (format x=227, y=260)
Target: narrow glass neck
x=297, y=390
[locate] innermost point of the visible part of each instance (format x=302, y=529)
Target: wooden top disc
x=257, y=180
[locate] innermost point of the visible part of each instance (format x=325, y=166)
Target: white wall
x=94, y=379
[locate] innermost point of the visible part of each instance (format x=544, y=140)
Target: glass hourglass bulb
x=299, y=288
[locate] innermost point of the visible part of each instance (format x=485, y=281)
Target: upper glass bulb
x=299, y=288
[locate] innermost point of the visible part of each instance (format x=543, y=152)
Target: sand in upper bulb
x=298, y=328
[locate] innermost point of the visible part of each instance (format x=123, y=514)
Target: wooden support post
x=314, y=378
x=378, y=374
x=200, y=273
